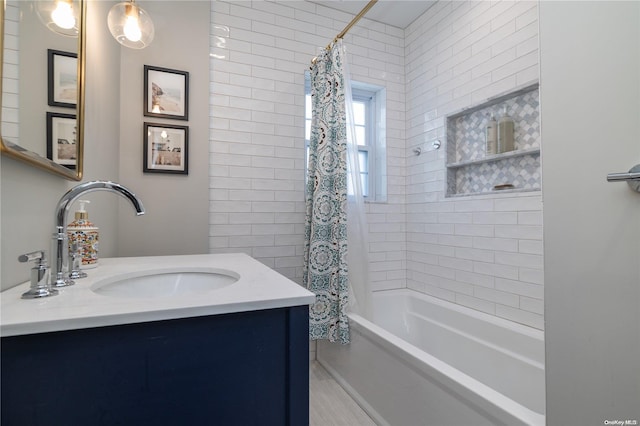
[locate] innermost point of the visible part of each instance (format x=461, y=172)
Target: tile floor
x=329, y=404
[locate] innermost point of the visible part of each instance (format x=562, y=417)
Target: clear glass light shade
x=60, y=16
x=130, y=25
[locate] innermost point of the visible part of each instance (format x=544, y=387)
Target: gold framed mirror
x=37, y=128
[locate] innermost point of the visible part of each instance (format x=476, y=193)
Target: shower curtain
x=335, y=218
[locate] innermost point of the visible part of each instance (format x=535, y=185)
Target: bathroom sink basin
x=154, y=284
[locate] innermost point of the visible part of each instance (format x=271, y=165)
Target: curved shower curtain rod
x=346, y=29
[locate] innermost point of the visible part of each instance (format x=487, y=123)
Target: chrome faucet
x=60, y=249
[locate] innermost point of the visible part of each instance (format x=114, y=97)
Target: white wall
x=590, y=100
x=481, y=251
x=177, y=206
x=101, y=124
x=257, y=129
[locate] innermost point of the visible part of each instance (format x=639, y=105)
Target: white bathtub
x=426, y=361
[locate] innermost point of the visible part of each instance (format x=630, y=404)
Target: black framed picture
x=166, y=148
x=62, y=76
x=61, y=139
x=166, y=93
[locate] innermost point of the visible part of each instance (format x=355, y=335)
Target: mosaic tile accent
x=467, y=132
x=521, y=172
x=466, y=142
x=452, y=181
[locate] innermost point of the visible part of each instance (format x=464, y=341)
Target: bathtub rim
x=432, y=367
x=465, y=310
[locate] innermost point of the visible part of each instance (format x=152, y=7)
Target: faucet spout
x=60, y=246
x=99, y=185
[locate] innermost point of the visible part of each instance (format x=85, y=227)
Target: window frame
x=372, y=97
x=368, y=98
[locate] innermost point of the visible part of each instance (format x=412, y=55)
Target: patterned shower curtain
x=325, y=257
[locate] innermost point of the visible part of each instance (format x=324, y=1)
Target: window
x=369, y=122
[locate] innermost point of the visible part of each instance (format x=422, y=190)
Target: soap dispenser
x=505, y=132
x=86, y=235
x=491, y=137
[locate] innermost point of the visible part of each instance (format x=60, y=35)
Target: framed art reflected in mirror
x=62, y=139
x=62, y=78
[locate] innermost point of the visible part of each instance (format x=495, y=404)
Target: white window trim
x=377, y=142
x=369, y=99
x=375, y=131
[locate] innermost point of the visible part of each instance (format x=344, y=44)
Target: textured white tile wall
x=10, y=78
x=259, y=53
x=485, y=251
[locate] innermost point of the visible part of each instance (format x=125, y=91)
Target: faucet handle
x=76, y=260
x=40, y=256
x=40, y=285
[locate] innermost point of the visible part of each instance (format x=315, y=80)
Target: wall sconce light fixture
x=130, y=25
x=60, y=16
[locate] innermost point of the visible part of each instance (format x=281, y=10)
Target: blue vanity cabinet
x=248, y=368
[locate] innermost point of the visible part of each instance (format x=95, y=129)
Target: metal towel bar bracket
x=632, y=177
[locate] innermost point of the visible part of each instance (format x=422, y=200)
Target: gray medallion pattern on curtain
x=325, y=257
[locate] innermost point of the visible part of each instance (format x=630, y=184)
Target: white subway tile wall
x=485, y=251
x=480, y=251
x=259, y=53
x=10, y=78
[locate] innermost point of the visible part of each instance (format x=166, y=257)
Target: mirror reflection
x=41, y=102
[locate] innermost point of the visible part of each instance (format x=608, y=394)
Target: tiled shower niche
x=470, y=171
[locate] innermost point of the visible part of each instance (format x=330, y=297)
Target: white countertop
x=77, y=306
